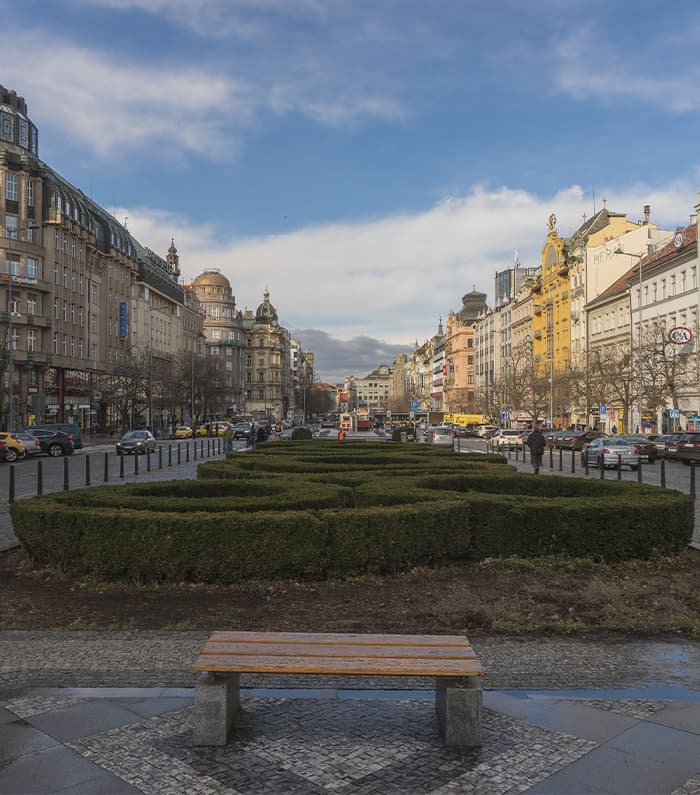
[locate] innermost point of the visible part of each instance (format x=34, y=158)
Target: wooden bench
x=448, y=658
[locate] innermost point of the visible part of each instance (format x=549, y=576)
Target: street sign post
x=603, y=409
x=674, y=414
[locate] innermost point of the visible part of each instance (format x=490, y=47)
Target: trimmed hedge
x=319, y=509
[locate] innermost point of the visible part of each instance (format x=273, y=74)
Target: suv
x=71, y=428
x=688, y=448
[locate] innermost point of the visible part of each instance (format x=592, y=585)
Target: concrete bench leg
x=458, y=704
x=216, y=700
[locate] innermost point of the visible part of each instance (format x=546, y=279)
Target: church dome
x=266, y=313
x=211, y=278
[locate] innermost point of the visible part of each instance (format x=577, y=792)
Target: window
x=11, y=187
x=261, y=394
x=694, y=277
x=11, y=227
x=55, y=342
x=31, y=339
x=72, y=280
x=72, y=346
x=55, y=308
x=15, y=339
x=249, y=360
x=80, y=348
x=32, y=270
x=261, y=342
x=673, y=285
x=216, y=334
x=30, y=193
x=72, y=314
x=82, y=292
x=682, y=281
x=31, y=305
x=663, y=288
x=65, y=244
x=65, y=278
x=56, y=238
x=229, y=366
x=80, y=316
x=65, y=345
x=65, y=311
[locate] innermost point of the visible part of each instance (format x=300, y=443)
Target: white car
x=440, y=436
x=507, y=438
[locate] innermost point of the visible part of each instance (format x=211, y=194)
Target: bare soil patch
x=493, y=596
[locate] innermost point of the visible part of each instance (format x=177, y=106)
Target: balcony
x=536, y=288
x=538, y=334
x=537, y=308
x=563, y=271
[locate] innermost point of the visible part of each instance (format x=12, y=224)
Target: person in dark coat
x=536, y=443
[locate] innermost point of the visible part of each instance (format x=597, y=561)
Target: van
x=66, y=427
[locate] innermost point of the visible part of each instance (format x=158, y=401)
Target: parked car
x=135, y=442
x=218, y=428
x=671, y=445
x=607, y=453
x=11, y=449
x=576, y=440
x=29, y=442
x=688, y=447
x=183, y=432
x=442, y=435
x=551, y=436
x=71, y=428
x=53, y=443
x=509, y=438
x=645, y=447
x=242, y=430
x=201, y=431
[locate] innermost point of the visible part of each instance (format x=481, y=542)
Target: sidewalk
x=92, y=712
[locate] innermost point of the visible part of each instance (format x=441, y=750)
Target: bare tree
x=668, y=370
x=612, y=368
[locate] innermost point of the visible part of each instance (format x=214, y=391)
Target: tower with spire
x=173, y=261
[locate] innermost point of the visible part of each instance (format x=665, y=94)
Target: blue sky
x=368, y=162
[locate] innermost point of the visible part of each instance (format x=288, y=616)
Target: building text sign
x=680, y=335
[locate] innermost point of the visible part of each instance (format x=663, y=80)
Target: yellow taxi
x=201, y=431
x=10, y=448
x=219, y=428
x=183, y=432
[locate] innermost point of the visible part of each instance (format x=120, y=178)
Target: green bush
x=301, y=433
x=318, y=509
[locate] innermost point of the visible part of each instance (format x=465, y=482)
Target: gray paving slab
x=613, y=772
x=582, y=720
x=148, y=707
x=679, y=716
x=47, y=772
x=18, y=739
x=670, y=747
x=78, y=720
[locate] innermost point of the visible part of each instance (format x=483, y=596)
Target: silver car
x=137, y=442
x=30, y=442
x=440, y=436
x=608, y=452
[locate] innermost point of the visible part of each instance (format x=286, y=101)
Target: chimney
x=693, y=219
x=647, y=212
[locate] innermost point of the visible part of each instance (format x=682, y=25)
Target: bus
x=466, y=420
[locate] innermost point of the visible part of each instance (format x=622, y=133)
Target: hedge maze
x=311, y=509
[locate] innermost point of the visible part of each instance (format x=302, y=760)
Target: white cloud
x=115, y=107
x=588, y=67
x=392, y=278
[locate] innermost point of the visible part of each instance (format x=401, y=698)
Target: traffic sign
x=505, y=415
x=674, y=414
x=414, y=405
x=603, y=409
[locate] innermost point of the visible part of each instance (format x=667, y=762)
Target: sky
x=367, y=161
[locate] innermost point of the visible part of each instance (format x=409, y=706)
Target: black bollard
x=106, y=477
x=639, y=471
x=619, y=466
x=148, y=461
x=602, y=466
x=11, y=496
x=585, y=462
x=195, y=449
x=663, y=474
x=87, y=470
x=692, y=479
x=39, y=478
x=561, y=459
x=573, y=460
x=66, y=478
x=136, y=463
x=170, y=456
x=160, y=458
x=551, y=458
x=121, y=466
x=179, y=457
x=187, y=451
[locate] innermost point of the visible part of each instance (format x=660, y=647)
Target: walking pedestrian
x=228, y=439
x=536, y=443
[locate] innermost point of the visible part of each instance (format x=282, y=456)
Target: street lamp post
x=640, y=374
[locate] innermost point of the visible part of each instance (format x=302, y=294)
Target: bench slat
x=352, y=650
x=339, y=638
x=338, y=665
